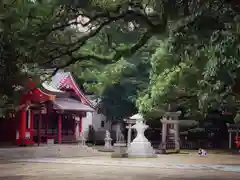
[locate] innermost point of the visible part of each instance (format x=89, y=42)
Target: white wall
x=95, y=119
x=86, y=121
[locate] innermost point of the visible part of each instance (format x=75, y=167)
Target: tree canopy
x=194, y=55
x=197, y=65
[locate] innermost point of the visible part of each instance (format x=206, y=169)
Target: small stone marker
x=108, y=143
x=82, y=139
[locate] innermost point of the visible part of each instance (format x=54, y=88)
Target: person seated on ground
x=202, y=152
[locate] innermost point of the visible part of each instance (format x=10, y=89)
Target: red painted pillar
x=39, y=128
x=59, y=128
x=46, y=126
x=22, y=127
x=31, y=124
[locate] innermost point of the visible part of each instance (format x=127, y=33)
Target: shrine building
x=51, y=113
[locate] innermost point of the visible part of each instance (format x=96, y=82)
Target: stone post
x=164, y=137
x=176, y=138
x=230, y=140
x=129, y=134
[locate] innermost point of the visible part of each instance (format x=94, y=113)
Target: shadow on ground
x=137, y=177
x=15, y=177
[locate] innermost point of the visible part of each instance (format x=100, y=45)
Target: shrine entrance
x=44, y=129
x=170, y=132
x=67, y=125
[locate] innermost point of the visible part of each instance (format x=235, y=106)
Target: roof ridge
x=58, y=80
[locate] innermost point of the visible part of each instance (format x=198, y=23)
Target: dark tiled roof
x=69, y=104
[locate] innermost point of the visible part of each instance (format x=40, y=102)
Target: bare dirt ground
x=55, y=171
x=211, y=159
x=102, y=167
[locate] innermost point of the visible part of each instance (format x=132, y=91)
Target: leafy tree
x=197, y=65
x=45, y=33
x=186, y=67
x=117, y=85
x=56, y=34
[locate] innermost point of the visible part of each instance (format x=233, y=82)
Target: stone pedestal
x=119, y=150
x=108, y=143
x=140, y=146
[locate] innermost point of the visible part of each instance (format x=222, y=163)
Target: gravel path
x=92, y=165
x=140, y=163
x=57, y=171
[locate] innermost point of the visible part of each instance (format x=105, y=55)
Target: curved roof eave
x=51, y=89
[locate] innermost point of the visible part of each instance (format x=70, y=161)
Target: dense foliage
x=194, y=65
x=188, y=48
x=197, y=66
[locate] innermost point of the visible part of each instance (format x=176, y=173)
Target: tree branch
x=103, y=19
x=86, y=36
x=76, y=22
x=116, y=56
x=80, y=57
x=133, y=49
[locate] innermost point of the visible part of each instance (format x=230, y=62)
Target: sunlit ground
x=57, y=171
x=183, y=166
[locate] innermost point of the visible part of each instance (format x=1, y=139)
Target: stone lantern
x=140, y=146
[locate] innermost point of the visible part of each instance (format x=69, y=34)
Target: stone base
x=177, y=150
x=142, y=155
x=120, y=143
x=106, y=150
x=120, y=151
x=161, y=151
x=82, y=144
x=117, y=155
x=164, y=151
x=140, y=149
